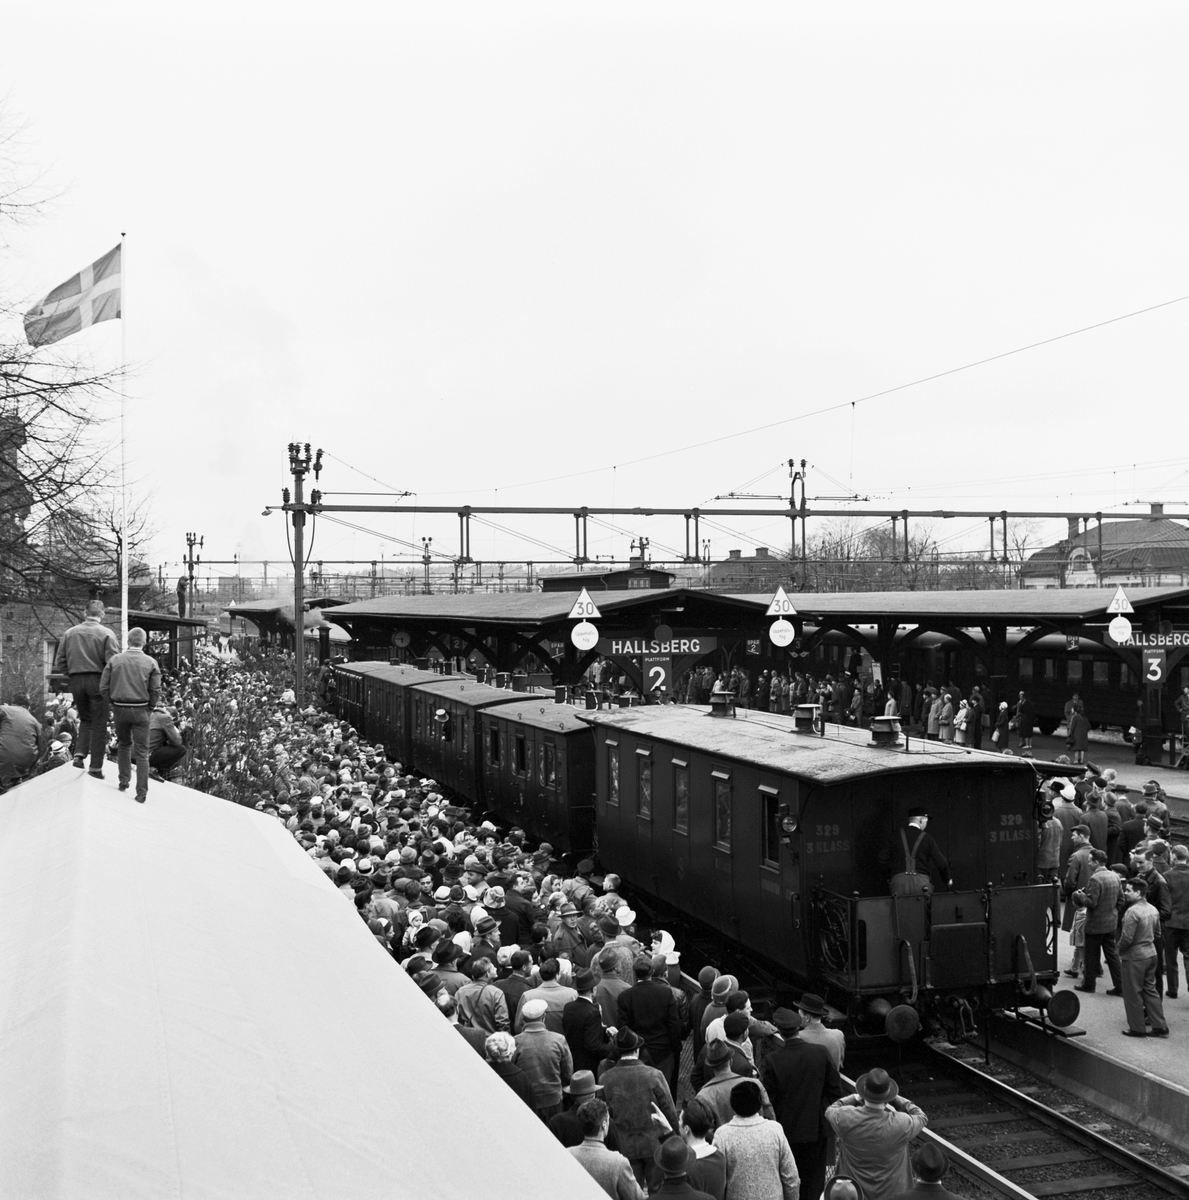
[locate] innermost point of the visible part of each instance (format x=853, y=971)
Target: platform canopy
x=507, y=627
x=189, y=1009
x=274, y=618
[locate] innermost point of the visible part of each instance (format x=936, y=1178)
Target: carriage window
x=770, y=814
x=541, y=777
x=612, y=772
x=680, y=796
x=550, y=765
x=1050, y=668
x=1073, y=671
x=643, y=785
x=1025, y=668
x=722, y=810
x=1126, y=676
x=1102, y=672
x=416, y=719
x=493, y=746
x=518, y=758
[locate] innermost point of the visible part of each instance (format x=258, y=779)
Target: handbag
x=995, y=737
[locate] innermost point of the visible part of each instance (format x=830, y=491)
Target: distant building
x=1127, y=553
x=638, y=575
x=761, y=573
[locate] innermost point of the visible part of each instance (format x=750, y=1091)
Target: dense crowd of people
x=1126, y=892
x=550, y=976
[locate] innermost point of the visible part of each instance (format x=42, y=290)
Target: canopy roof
x=1030, y=606
x=188, y=1008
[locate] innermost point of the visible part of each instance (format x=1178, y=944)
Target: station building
x=1113, y=553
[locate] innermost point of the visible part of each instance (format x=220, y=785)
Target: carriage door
x=773, y=912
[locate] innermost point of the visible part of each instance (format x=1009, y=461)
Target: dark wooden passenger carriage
x=444, y=728
x=780, y=840
x=536, y=770
x=375, y=698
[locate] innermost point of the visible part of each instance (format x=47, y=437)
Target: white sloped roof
x=189, y=1009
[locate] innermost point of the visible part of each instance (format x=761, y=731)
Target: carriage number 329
x=827, y=830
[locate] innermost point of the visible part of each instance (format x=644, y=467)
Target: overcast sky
x=527, y=253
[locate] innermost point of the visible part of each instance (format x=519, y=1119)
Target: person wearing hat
x=579, y=886
x=716, y=1092
x=698, y=1005
x=566, y=1126
x=758, y=1159
x=506, y=919
x=720, y=989
x=569, y=940
x=1077, y=875
x=582, y=1024
x=446, y=955
x=874, y=1127
x=1068, y=813
x=914, y=851
x=649, y=1008
x=732, y=1030
x=633, y=1090
x=554, y=995
x=673, y=1157
x=622, y=955
x=802, y=1080
x=544, y=1057
x=611, y=1170
x=487, y=939
x=813, y=1029
x=929, y=1165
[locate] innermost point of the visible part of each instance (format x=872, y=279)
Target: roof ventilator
x=807, y=718
x=722, y=704
x=885, y=731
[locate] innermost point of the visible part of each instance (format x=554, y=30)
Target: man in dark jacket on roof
x=82, y=654
x=131, y=684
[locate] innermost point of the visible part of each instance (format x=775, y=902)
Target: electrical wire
x=842, y=404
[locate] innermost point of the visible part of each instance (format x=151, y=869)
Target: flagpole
x=124, y=547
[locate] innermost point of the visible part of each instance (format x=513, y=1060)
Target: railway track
x=1004, y=1141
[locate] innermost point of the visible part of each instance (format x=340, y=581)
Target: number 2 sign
x=658, y=676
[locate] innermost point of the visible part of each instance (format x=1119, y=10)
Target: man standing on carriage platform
x=915, y=851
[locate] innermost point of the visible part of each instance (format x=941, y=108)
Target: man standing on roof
x=82, y=654
x=131, y=684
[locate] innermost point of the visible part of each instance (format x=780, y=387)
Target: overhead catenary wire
x=842, y=404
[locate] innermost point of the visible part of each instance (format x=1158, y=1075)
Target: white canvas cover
x=189, y=1009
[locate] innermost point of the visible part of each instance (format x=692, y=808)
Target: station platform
x=1139, y=1080
x=1107, y=751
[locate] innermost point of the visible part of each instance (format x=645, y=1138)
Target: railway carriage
x=537, y=771
x=374, y=697
x=775, y=837
x=781, y=841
